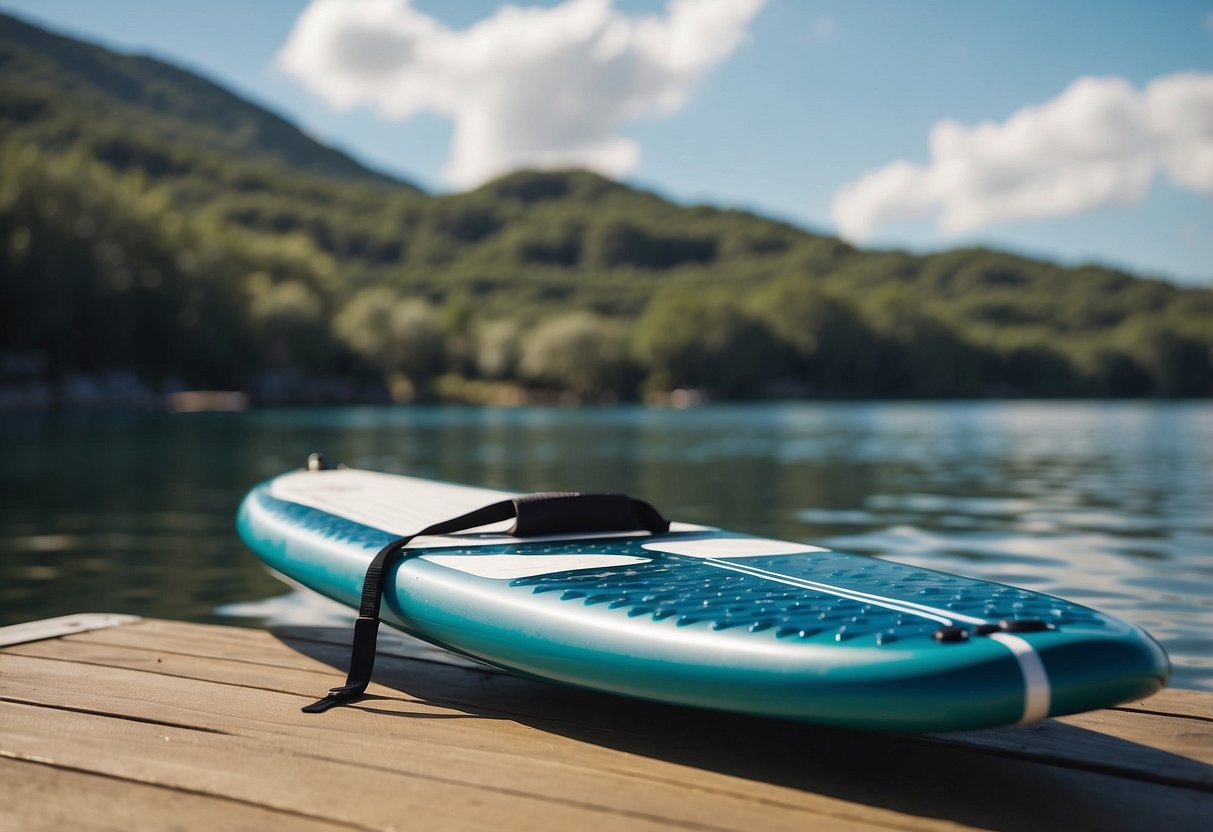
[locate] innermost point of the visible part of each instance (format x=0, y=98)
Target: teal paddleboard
x=704, y=617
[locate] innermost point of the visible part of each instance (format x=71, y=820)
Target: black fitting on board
x=1023, y=625
x=951, y=634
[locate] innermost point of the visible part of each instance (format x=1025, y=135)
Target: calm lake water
x=1110, y=505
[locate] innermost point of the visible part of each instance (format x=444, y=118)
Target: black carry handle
x=535, y=514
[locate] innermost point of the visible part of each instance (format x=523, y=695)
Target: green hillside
x=154, y=225
x=134, y=111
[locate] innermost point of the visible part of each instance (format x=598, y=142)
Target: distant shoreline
x=44, y=398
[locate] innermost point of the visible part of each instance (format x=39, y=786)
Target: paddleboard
x=701, y=616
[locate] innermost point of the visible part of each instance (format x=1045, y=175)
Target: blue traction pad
x=692, y=591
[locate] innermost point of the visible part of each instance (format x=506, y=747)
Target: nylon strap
x=534, y=514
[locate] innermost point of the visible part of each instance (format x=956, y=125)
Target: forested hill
x=60, y=92
x=157, y=229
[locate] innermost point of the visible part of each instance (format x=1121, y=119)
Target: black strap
x=535, y=514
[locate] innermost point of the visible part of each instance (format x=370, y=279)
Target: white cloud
x=1209, y=22
x=1102, y=142
x=536, y=87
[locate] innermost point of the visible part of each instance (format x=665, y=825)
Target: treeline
x=155, y=227
x=103, y=271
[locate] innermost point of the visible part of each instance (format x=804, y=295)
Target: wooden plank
x=1050, y=742
x=220, y=642
x=62, y=626
x=1102, y=741
x=978, y=795
x=1174, y=702
x=285, y=780
x=214, y=711
x=462, y=752
x=36, y=796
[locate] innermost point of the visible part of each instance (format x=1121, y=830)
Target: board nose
x=1099, y=670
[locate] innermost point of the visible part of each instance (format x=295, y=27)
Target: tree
x=919, y=354
x=401, y=336
x=828, y=344
x=1178, y=364
x=704, y=340
x=579, y=352
x=288, y=319
x=498, y=349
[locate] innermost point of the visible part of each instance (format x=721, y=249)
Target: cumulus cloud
x=537, y=87
x=1102, y=142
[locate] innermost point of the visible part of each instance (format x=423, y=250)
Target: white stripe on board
x=887, y=603
x=511, y=567
x=933, y=613
x=729, y=547
x=1037, y=694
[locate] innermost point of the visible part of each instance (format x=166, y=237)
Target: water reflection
x=1108, y=504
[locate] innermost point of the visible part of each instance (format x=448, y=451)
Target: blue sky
x=793, y=109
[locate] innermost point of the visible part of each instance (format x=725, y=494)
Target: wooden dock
x=111, y=722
